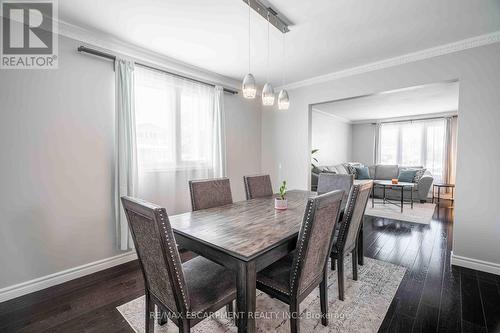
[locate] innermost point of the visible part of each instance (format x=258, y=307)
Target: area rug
x=363, y=310
x=421, y=212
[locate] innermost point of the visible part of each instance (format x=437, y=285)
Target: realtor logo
x=29, y=34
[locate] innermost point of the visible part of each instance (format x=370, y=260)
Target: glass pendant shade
x=268, y=94
x=283, y=100
x=248, y=87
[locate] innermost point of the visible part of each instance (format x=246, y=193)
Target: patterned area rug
x=363, y=310
x=421, y=213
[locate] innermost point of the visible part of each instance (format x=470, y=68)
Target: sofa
x=380, y=172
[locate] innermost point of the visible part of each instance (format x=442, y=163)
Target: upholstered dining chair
x=196, y=286
x=346, y=235
x=328, y=182
x=209, y=193
x=296, y=275
x=258, y=186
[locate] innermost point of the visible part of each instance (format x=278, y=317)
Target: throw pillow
x=350, y=168
x=407, y=176
x=418, y=175
x=362, y=172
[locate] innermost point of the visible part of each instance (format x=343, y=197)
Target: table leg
x=245, y=296
x=452, y=195
x=402, y=198
x=361, y=258
x=373, y=196
x=411, y=197
x=384, y=194
x=439, y=194
x=433, y=191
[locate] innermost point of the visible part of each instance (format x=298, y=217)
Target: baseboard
x=479, y=265
x=43, y=282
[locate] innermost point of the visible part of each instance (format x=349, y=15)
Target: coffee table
x=385, y=184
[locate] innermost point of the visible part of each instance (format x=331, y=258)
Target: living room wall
x=476, y=230
x=363, y=143
x=332, y=137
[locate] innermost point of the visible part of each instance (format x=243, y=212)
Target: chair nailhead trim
x=191, y=191
x=272, y=287
x=299, y=255
x=348, y=216
x=173, y=260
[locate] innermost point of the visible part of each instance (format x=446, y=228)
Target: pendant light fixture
x=283, y=99
x=268, y=90
x=248, y=86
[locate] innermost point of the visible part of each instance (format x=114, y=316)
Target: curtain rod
x=113, y=57
x=412, y=120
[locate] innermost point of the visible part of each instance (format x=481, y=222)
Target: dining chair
x=258, y=186
x=328, y=182
x=209, y=193
x=345, y=239
x=296, y=275
x=197, y=286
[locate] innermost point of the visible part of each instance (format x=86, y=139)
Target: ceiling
x=326, y=36
x=420, y=100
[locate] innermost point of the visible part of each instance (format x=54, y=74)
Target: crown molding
x=331, y=115
x=444, y=114
x=108, y=42
x=461, y=45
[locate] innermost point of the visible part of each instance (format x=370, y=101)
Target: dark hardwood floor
x=433, y=296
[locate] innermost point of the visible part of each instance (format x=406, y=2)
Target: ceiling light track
x=264, y=11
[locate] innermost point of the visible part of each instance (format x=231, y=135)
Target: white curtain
x=180, y=136
x=451, y=150
x=415, y=143
x=219, y=140
x=376, y=155
x=125, y=146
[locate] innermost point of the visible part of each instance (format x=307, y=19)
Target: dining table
x=245, y=237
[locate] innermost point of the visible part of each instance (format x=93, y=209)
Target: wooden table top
x=443, y=185
x=247, y=228
x=389, y=183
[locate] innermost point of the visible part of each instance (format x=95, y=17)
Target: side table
x=439, y=186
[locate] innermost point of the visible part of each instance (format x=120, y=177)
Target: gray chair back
x=328, y=182
x=315, y=241
x=258, y=186
x=157, y=251
x=353, y=217
x=209, y=193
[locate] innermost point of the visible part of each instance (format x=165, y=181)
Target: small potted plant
x=280, y=202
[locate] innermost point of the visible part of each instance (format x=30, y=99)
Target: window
x=179, y=132
x=415, y=143
x=173, y=122
x=389, y=143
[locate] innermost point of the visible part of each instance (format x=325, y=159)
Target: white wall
x=477, y=222
x=363, y=143
x=332, y=136
x=243, y=135
x=56, y=170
